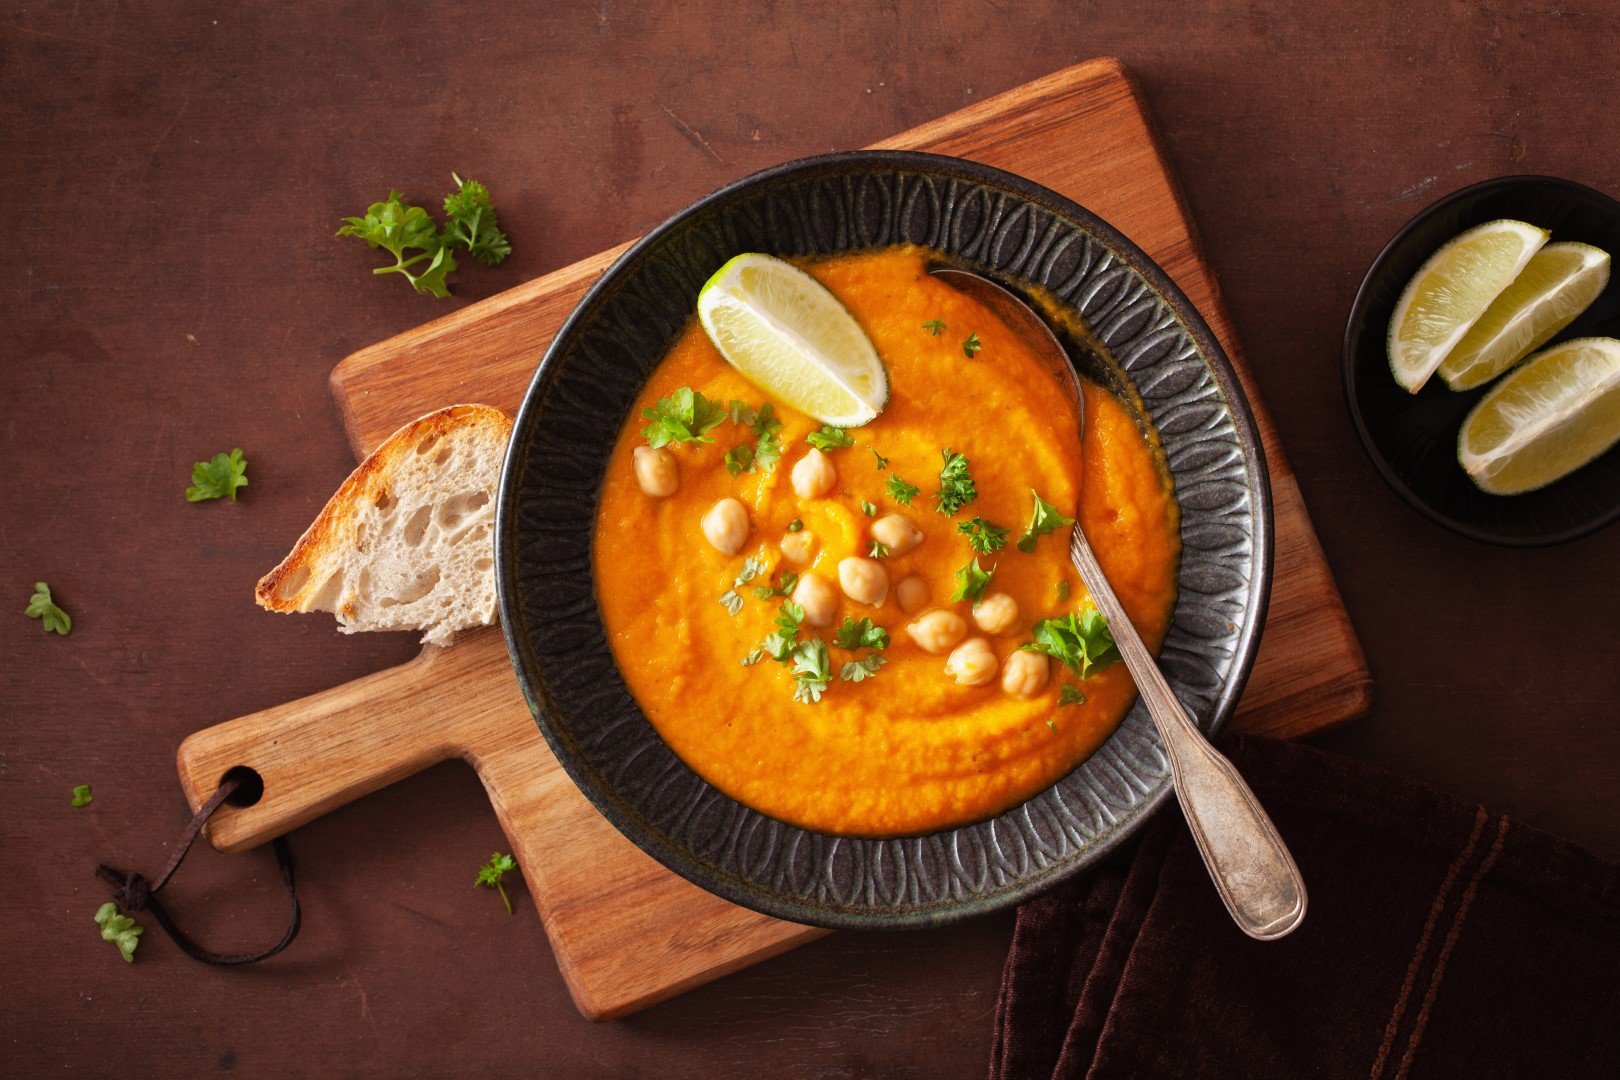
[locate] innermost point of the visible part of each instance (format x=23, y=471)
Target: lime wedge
x=1451, y=291
x=790, y=337
x=1547, y=419
x=1555, y=286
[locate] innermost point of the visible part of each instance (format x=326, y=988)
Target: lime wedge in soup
x=793, y=339
x=1555, y=286
x=1451, y=291
x=1547, y=419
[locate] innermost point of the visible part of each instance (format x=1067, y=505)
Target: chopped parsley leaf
x=869, y=508
x=684, y=416
x=755, y=655
x=731, y=601
x=934, y=326
x=121, y=930
x=971, y=347
x=1063, y=589
x=882, y=462
x=860, y=634
x=983, y=536
x=42, y=607
x=218, y=477
x=1044, y=518
x=862, y=669
x=812, y=670
x=971, y=581
x=739, y=459
x=752, y=567
x=879, y=550
x=902, y=492
x=795, y=525
x=829, y=438
x=1080, y=639
x=1071, y=695
x=765, y=592
x=81, y=795
x=1053, y=725
x=956, y=487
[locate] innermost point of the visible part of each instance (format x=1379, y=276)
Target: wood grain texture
x=627, y=933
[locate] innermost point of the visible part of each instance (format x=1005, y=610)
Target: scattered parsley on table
x=121, y=930
x=218, y=478
x=52, y=618
x=491, y=873
x=81, y=795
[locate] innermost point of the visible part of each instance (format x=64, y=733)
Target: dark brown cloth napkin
x=1442, y=940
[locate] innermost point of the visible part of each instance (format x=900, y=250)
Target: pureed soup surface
x=908, y=750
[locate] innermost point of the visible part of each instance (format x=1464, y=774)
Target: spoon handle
x=1252, y=869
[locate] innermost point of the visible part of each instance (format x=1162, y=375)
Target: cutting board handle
x=319, y=752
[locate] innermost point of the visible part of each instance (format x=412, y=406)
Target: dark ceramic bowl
x=1412, y=438
x=583, y=392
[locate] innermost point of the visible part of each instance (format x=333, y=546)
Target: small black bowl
x=1412, y=438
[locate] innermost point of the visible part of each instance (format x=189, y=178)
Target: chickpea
x=896, y=532
x=995, y=613
x=819, y=599
x=864, y=580
x=936, y=631
x=726, y=526
x=912, y=593
x=1025, y=673
x=813, y=475
x=655, y=472
x=972, y=663
x=798, y=548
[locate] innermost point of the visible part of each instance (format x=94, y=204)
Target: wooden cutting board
x=625, y=931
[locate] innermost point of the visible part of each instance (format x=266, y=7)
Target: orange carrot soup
x=783, y=600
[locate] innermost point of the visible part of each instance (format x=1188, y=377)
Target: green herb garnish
x=218, y=478
x=879, y=550
x=41, y=607
x=983, y=537
x=812, y=670
x=765, y=592
x=1043, y=519
x=860, y=634
x=971, y=581
x=1063, y=590
x=829, y=438
x=1071, y=695
x=491, y=873
x=902, y=492
x=731, y=601
x=684, y=416
x=739, y=459
x=121, y=930
x=971, y=347
x=795, y=525
x=869, y=508
x=956, y=488
x=755, y=655
x=470, y=223
x=934, y=326
x=779, y=645
x=752, y=567
x=862, y=669
x=81, y=795
x=1080, y=639
x=882, y=462
x=397, y=229
x=1053, y=725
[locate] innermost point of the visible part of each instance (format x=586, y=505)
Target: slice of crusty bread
x=407, y=543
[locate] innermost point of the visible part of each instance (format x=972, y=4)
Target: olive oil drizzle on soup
x=954, y=723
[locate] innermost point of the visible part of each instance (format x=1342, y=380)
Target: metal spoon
x=1252, y=869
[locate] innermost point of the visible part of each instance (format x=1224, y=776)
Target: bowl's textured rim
x=1348, y=365
x=1255, y=470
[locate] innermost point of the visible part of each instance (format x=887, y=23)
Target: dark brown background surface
x=172, y=178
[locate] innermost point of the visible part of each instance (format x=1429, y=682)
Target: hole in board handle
x=251, y=789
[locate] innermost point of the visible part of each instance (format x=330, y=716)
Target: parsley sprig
x=121, y=930
x=971, y=581
x=862, y=669
x=400, y=230
x=1044, y=518
x=766, y=451
x=684, y=416
x=81, y=796
x=830, y=438
x=1071, y=695
x=971, y=346
x=956, y=488
x=491, y=873
x=860, y=634
x=934, y=326
x=218, y=477
x=902, y=492
x=52, y=618
x=1080, y=639
x=983, y=536
x=812, y=670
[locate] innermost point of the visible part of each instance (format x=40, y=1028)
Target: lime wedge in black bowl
x=1412, y=438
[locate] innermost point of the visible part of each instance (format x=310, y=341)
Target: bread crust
x=333, y=527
